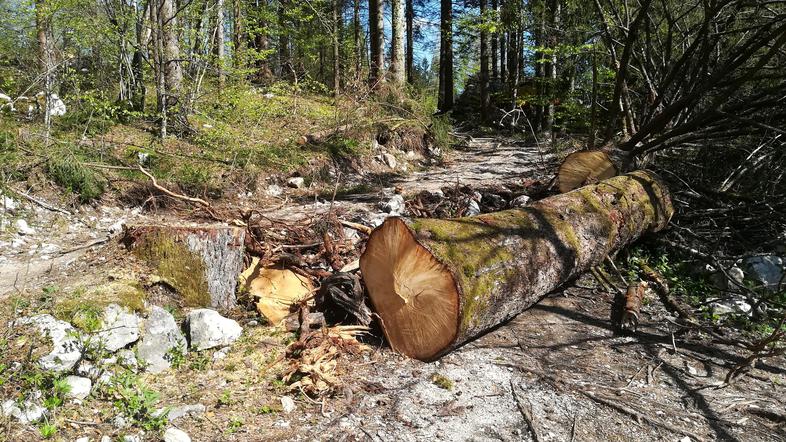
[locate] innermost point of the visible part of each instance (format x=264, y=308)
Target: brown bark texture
x=477, y=272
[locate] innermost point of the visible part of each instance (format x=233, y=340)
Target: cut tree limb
x=438, y=283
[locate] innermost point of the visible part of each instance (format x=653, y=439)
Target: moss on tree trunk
x=501, y=263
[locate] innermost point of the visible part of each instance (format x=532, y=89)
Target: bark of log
x=438, y=283
x=201, y=262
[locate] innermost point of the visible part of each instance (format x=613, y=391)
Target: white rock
x=160, y=336
x=721, y=282
x=388, y=160
x=174, y=435
x=66, y=346
x=83, y=439
x=296, y=182
x=208, y=329
x=79, y=387
x=126, y=358
x=181, y=411
x=287, y=404
x=132, y=438
x=472, y=208
x=119, y=328
x=220, y=354
x=56, y=106
x=274, y=190
x=766, y=270
x=117, y=227
x=8, y=204
x=268, y=95
x=394, y=206
x=520, y=201
x=106, y=439
x=28, y=412
x=23, y=228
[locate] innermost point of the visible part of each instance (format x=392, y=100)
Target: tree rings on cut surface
x=582, y=168
x=411, y=290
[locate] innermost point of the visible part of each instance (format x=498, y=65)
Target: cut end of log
x=582, y=168
x=413, y=293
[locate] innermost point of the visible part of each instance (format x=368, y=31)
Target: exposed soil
x=558, y=365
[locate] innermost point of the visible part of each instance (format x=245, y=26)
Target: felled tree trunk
x=201, y=262
x=438, y=283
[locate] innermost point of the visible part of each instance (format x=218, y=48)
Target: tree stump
x=437, y=283
x=201, y=262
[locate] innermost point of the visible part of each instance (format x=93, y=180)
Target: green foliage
x=440, y=131
x=442, y=381
x=47, y=430
x=176, y=357
x=136, y=401
x=235, y=424
x=93, y=113
x=68, y=170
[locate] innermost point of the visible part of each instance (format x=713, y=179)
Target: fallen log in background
x=437, y=283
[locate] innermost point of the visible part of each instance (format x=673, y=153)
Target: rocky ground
x=556, y=372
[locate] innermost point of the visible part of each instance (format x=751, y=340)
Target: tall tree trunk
x=284, y=54
x=376, y=15
x=173, y=70
x=336, y=48
x=356, y=28
x=397, y=67
x=220, y=49
x=555, y=9
x=139, y=90
x=410, y=13
x=446, y=56
x=262, y=43
x=494, y=44
x=238, y=33
x=503, y=77
x=540, y=65
x=437, y=283
x=45, y=58
x=484, y=64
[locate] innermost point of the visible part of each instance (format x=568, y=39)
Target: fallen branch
x=525, y=413
x=41, y=203
x=205, y=205
x=359, y=227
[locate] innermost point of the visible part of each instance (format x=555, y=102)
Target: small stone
x=23, y=228
x=274, y=190
x=127, y=359
x=66, y=348
x=106, y=439
x=174, y=435
x=765, y=270
x=27, y=413
x=120, y=422
x=120, y=328
x=472, y=208
x=394, y=206
x=8, y=204
x=520, y=201
x=181, y=411
x=160, y=337
x=220, y=354
x=388, y=160
x=208, y=329
x=296, y=182
x=83, y=439
x=287, y=404
x=132, y=438
x=116, y=228
x=79, y=387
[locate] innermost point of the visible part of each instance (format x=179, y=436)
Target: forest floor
x=557, y=372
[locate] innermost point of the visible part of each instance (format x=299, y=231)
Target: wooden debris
x=201, y=262
x=437, y=283
x=275, y=290
x=632, y=309
x=342, y=299
x=584, y=167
